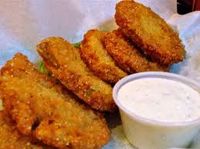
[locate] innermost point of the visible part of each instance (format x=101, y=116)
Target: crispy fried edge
x=74, y=81
x=164, y=57
x=104, y=70
x=127, y=56
x=19, y=140
x=9, y=68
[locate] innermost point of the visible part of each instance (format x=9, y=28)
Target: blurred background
x=185, y=6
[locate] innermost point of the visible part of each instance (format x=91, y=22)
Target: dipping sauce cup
x=151, y=129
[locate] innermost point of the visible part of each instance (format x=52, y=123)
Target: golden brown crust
x=64, y=61
x=10, y=138
x=150, y=32
x=42, y=109
x=97, y=59
x=127, y=56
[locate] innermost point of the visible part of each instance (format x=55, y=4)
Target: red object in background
x=193, y=4
x=196, y=5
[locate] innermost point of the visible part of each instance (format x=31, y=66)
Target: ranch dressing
x=160, y=99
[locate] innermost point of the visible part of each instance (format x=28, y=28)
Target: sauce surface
x=160, y=99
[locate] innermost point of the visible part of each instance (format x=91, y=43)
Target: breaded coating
x=97, y=59
x=10, y=138
x=41, y=108
x=127, y=56
x=63, y=60
x=150, y=32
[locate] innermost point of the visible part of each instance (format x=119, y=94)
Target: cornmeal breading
x=150, y=32
x=97, y=59
x=41, y=108
x=127, y=56
x=10, y=138
x=63, y=60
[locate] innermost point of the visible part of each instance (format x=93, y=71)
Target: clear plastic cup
x=150, y=134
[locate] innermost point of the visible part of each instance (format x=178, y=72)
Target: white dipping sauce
x=160, y=99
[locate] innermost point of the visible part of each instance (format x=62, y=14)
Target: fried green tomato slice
x=127, y=56
x=41, y=108
x=65, y=63
x=10, y=137
x=97, y=59
x=149, y=32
